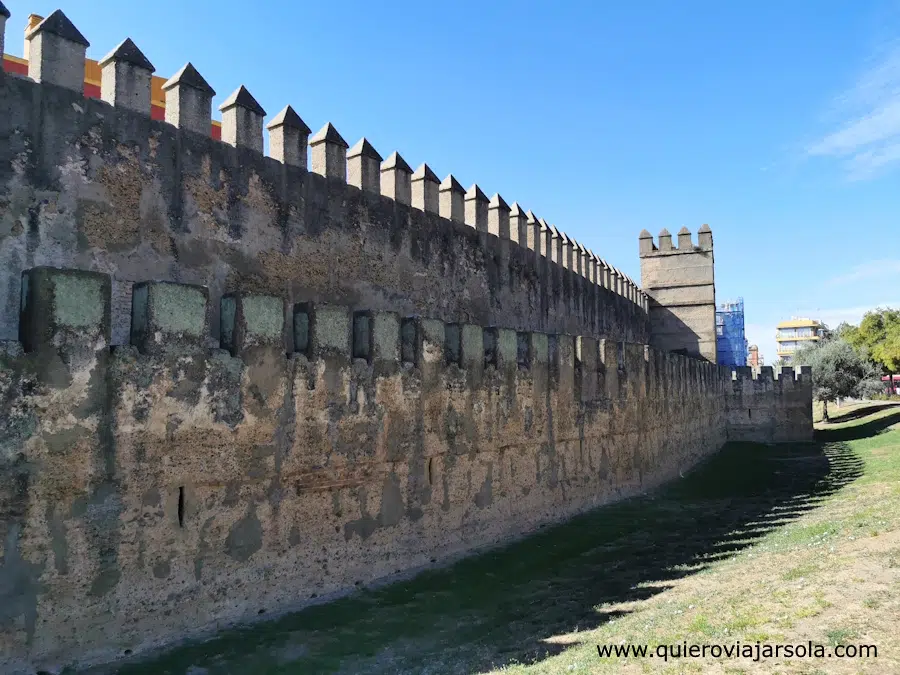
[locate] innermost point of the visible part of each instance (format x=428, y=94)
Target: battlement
x=261, y=213
x=766, y=376
x=770, y=407
x=684, y=245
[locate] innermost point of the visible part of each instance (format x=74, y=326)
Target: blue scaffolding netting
x=731, y=344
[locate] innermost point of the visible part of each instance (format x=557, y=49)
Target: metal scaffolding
x=731, y=344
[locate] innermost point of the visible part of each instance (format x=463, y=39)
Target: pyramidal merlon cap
x=364, y=149
x=128, y=52
x=244, y=99
x=289, y=118
x=189, y=77
x=58, y=24
x=328, y=134
x=450, y=183
x=498, y=202
x=3, y=10
x=476, y=193
x=424, y=172
x=395, y=161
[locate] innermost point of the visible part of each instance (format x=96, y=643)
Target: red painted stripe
x=11, y=66
x=93, y=91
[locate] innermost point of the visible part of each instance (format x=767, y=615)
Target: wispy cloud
x=873, y=269
x=866, y=136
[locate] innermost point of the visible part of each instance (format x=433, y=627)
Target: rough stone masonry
x=232, y=386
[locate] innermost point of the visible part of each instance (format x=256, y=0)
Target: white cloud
x=866, y=137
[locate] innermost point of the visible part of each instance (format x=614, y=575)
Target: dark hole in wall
x=430, y=470
x=409, y=341
x=227, y=320
x=181, y=506
x=553, y=356
x=140, y=297
x=301, y=328
x=620, y=355
x=452, y=343
x=523, y=351
x=362, y=335
x=749, y=416
x=489, y=340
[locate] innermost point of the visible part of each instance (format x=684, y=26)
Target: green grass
x=761, y=543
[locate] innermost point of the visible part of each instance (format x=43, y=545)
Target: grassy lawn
x=777, y=544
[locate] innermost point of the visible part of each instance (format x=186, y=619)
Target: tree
x=838, y=371
x=847, y=332
x=879, y=335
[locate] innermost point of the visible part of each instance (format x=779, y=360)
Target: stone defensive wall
x=232, y=387
x=766, y=409
x=98, y=184
x=160, y=489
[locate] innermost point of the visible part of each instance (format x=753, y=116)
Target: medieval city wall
x=233, y=386
x=88, y=185
x=161, y=489
x=766, y=409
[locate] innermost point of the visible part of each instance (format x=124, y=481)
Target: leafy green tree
x=838, y=371
x=847, y=332
x=878, y=334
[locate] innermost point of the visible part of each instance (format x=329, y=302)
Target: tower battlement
x=680, y=283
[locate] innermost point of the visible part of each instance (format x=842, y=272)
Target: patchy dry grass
x=771, y=544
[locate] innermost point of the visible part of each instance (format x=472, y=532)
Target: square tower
x=680, y=283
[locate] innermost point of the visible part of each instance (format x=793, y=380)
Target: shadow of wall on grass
x=867, y=429
x=864, y=411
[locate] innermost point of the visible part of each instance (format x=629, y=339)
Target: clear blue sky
x=778, y=123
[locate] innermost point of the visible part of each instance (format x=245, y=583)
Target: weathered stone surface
x=56, y=51
x=125, y=77
x=288, y=137
x=242, y=120
x=168, y=317
x=163, y=489
x=189, y=100
x=249, y=321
